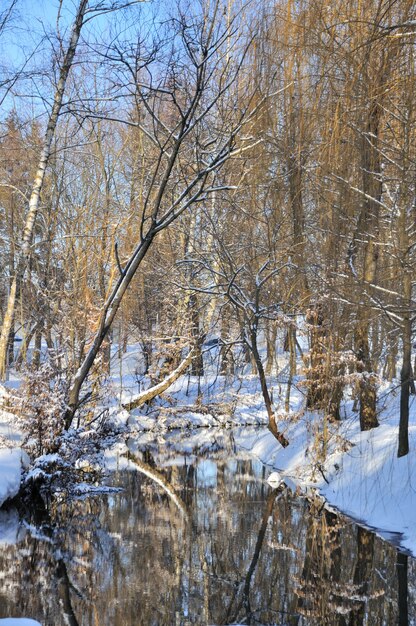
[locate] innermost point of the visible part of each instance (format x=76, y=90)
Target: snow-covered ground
x=11, y=455
x=367, y=482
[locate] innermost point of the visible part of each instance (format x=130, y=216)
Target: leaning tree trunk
x=156, y=390
x=158, y=212
x=109, y=311
x=264, y=389
x=34, y=200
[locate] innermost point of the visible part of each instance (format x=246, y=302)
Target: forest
x=215, y=172
x=202, y=198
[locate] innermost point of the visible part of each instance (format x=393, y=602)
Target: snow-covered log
x=156, y=390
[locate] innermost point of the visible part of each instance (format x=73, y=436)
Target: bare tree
x=249, y=297
x=190, y=115
x=34, y=200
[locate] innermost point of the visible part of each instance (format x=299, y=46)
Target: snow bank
x=371, y=484
x=18, y=621
x=366, y=481
x=11, y=460
x=11, y=456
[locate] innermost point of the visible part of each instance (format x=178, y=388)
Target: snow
x=274, y=479
x=11, y=460
x=11, y=531
x=375, y=486
x=115, y=457
x=18, y=621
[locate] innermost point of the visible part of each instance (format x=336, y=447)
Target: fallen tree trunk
x=156, y=390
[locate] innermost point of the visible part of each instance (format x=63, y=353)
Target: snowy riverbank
x=10, y=472
x=12, y=458
x=360, y=474
x=367, y=482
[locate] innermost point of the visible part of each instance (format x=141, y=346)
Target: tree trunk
x=156, y=390
x=317, y=335
x=390, y=368
x=406, y=372
x=37, y=348
x=10, y=346
x=7, y=329
x=21, y=357
x=271, y=336
x=197, y=366
x=265, y=391
x=108, y=314
x=365, y=240
x=404, y=405
x=226, y=354
x=367, y=387
x=291, y=334
x=38, y=185
x=367, y=228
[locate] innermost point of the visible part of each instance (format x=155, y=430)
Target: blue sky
x=31, y=42
x=32, y=32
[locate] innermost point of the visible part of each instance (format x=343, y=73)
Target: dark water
x=201, y=539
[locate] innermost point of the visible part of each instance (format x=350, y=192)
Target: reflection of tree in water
x=343, y=582
x=204, y=543
x=403, y=589
x=244, y=603
x=46, y=589
x=319, y=590
x=73, y=570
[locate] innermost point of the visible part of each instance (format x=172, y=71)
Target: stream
x=196, y=535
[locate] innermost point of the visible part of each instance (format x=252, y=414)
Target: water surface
x=197, y=536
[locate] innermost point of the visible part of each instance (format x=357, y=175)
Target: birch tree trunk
x=34, y=199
